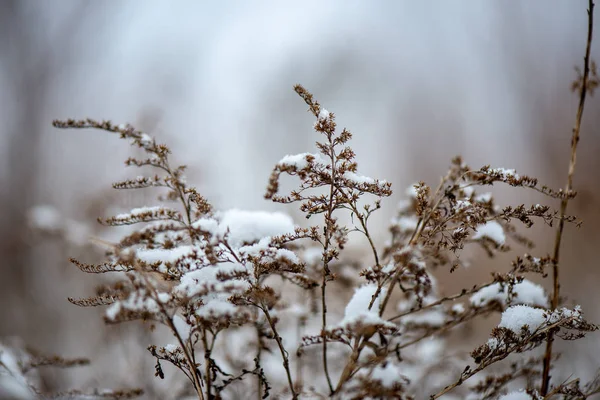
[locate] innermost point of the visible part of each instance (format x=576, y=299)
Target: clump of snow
x=247, y=226
x=299, y=161
x=516, y=395
x=171, y=348
x=199, y=280
x=525, y=292
x=462, y=205
x=359, y=304
x=492, y=230
x=357, y=311
x=264, y=246
x=358, y=179
x=183, y=329
x=515, y=317
x=458, y=308
x=165, y=255
x=213, y=292
x=324, y=114
x=146, y=139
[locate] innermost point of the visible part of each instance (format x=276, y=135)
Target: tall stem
x=565, y=200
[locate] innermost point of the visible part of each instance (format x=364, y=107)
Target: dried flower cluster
x=247, y=295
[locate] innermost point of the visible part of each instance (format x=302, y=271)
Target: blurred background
x=416, y=82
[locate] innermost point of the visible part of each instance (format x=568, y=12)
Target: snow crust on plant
x=194, y=282
x=264, y=246
x=525, y=292
x=324, y=114
x=141, y=210
x=165, y=255
x=492, y=230
x=462, y=205
x=360, y=179
x=359, y=304
x=135, y=302
x=505, y=173
x=515, y=317
x=298, y=161
x=357, y=309
x=246, y=226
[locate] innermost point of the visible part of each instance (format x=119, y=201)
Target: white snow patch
x=324, y=114
x=516, y=395
x=515, y=317
x=358, y=179
x=525, y=292
x=492, y=230
x=247, y=226
x=299, y=161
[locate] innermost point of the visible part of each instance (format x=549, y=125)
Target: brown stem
x=207, y=352
x=565, y=200
x=326, y=271
x=441, y=301
x=284, y=353
x=258, y=355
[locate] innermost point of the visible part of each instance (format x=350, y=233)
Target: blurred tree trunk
x=31, y=58
x=26, y=88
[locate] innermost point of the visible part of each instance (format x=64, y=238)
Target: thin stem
x=565, y=200
x=258, y=355
x=284, y=353
x=326, y=271
x=441, y=301
x=207, y=352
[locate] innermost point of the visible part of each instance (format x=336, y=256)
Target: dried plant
x=246, y=295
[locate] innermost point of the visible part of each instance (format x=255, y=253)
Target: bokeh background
x=416, y=82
